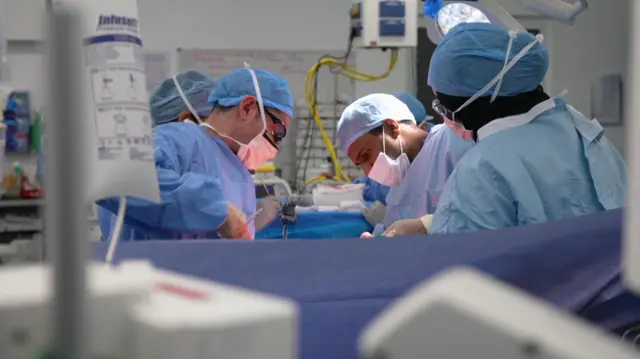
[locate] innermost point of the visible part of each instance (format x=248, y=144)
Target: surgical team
x=508, y=153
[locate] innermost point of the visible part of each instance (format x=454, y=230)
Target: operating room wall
x=596, y=45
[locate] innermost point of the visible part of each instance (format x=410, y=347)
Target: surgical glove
x=269, y=208
x=365, y=235
x=235, y=225
x=405, y=227
x=375, y=213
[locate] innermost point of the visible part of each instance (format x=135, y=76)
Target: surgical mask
x=257, y=153
x=497, y=82
x=459, y=129
x=387, y=171
x=256, y=141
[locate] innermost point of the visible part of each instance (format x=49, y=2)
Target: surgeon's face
x=365, y=150
x=249, y=122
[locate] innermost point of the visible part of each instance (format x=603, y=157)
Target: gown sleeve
x=475, y=197
x=190, y=202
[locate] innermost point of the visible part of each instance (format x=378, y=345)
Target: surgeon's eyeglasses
x=280, y=131
x=440, y=109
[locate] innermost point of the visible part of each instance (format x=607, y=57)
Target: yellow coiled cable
x=342, y=68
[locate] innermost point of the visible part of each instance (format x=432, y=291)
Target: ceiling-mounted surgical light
x=453, y=14
x=441, y=16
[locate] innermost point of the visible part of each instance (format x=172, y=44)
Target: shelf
x=14, y=203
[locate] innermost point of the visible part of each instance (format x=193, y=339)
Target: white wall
x=596, y=45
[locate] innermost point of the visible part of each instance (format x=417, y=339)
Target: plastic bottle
x=36, y=132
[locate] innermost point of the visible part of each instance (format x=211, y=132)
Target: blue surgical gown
x=559, y=165
x=373, y=191
x=197, y=175
x=107, y=221
x=420, y=190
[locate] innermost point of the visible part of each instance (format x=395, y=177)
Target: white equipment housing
x=386, y=23
x=464, y=314
x=189, y=318
x=139, y=312
x=25, y=309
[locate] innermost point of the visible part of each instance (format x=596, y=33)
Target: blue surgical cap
x=472, y=54
x=415, y=106
x=165, y=101
x=236, y=85
x=367, y=113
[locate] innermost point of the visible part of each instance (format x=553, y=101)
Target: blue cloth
x=342, y=285
x=237, y=84
x=107, y=222
x=373, y=191
x=319, y=225
x=472, y=54
x=367, y=113
x=415, y=106
x=165, y=102
x=197, y=175
x=422, y=186
x=557, y=166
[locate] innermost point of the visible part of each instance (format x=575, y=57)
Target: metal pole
x=67, y=230
x=631, y=244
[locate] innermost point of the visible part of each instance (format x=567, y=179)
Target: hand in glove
x=269, y=208
x=409, y=226
x=235, y=225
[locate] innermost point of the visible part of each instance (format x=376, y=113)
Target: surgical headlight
x=456, y=13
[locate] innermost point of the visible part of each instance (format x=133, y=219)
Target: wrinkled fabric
x=342, y=286
x=233, y=87
x=415, y=106
x=367, y=113
x=472, y=54
x=373, y=191
x=197, y=175
x=165, y=103
x=425, y=180
x=559, y=165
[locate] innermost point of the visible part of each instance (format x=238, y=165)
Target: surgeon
x=203, y=169
x=374, y=191
x=417, y=109
x=166, y=106
x=379, y=133
x=536, y=159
